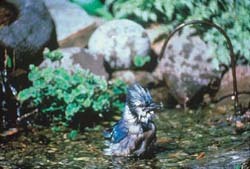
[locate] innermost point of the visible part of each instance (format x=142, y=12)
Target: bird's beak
x=154, y=106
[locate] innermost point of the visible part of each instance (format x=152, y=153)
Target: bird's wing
x=120, y=131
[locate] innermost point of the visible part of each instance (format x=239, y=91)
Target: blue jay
x=135, y=132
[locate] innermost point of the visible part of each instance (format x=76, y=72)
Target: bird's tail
x=107, y=134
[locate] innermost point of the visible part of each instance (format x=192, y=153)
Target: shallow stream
x=185, y=139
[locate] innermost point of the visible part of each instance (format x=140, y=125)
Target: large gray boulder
x=73, y=25
x=186, y=67
x=27, y=36
x=119, y=41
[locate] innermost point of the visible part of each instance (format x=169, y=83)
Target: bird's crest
x=138, y=96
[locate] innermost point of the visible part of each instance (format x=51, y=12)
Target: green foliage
x=61, y=95
x=73, y=134
x=55, y=128
x=89, y=5
x=94, y=7
x=140, y=61
x=9, y=62
x=233, y=16
x=52, y=55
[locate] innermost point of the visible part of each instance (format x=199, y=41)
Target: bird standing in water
x=135, y=133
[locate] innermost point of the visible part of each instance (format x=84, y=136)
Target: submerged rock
x=231, y=159
x=119, y=41
x=26, y=37
x=186, y=67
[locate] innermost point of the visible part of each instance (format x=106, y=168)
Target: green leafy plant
x=140, y=61
x=233, y=16
x=94, y=7
x=52, y=55
x=61, y=95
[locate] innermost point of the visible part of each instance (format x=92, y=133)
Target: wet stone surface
x=8, y=13
x=190, y=139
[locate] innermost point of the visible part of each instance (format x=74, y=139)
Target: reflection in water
x=131, y=162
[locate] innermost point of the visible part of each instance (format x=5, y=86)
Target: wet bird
x=135, y=132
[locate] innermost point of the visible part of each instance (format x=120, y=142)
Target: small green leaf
x=9, y=62
x=26, y=94
x=56, y=129
x=73, y=134
x=71, y=109
x=87, y=103
x=103, y=12
x=52, y=55
x=140, y=61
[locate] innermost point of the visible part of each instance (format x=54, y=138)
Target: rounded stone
x=226, y=86
x=119, y=41
x=76, y=58
x=29, y=33
x=187, y=68
x=129, y=76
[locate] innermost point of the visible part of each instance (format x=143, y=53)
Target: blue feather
x=107, y=133
x=120, y=131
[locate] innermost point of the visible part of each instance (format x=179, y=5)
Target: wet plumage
x=135, y=132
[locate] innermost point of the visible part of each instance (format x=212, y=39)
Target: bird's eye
x=141, y=105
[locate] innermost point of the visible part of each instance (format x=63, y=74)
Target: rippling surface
x=189, y=139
